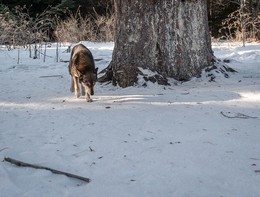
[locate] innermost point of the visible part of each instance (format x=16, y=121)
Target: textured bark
x=170, y=38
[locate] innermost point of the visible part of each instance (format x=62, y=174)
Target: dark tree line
x=218, y=11
x=24, y=22
x=86, y=6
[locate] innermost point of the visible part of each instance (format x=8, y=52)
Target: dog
x=82, y=69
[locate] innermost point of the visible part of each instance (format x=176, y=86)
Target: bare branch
x=237, y=115
x=23, y=164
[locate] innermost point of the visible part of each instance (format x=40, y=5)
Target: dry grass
x=91, y=28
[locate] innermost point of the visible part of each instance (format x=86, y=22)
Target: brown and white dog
x=82, y=69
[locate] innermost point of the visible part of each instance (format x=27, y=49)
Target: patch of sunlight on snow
x=245, y=98
x=104, y=98
x=250, y=96
x=12, y=105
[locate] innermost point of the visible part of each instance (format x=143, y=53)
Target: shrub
x=92, y=28
x=241, y=25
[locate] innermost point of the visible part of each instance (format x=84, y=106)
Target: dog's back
x=82, y=59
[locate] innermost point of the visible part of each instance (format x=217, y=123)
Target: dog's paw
x=77, y=94
x=89, y=100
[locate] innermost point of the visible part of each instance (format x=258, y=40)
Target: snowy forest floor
x=197, y=138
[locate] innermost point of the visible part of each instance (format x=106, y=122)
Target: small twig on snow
x=3, y=149
x=237, y=115
x=47, y=76
x=23, y=164
x=91, y=150
x=257, y=159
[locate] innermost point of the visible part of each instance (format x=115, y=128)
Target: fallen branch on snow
x=23, y=164
x=3, y=149
x=47, y=76
x=237, y=115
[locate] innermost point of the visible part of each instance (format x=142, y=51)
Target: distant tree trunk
x=169, y=38
x=256, y=14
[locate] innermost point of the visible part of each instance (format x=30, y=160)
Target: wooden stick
x=47, y=76
x=238, y=115
x=3, y=149
x=23, y=164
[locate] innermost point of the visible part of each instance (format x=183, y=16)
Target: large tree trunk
x=169, y=38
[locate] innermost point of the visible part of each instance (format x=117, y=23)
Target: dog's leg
x=88, y=91
x=83, y=90
x=72, y=89
x=88, y=97
x=76, y=86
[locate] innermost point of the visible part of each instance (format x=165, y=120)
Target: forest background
x=24, y=22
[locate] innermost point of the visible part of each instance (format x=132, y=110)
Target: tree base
x=145, y=76
x=218, y=68
x=107, y=75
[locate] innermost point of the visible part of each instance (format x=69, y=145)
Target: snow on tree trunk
x=169, y=38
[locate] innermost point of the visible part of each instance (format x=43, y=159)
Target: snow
x=178, y=140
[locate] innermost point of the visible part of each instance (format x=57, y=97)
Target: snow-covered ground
x=196, y=139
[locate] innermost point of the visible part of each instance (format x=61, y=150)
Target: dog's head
x=88, y=80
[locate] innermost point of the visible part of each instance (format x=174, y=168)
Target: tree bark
x=169, y=38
